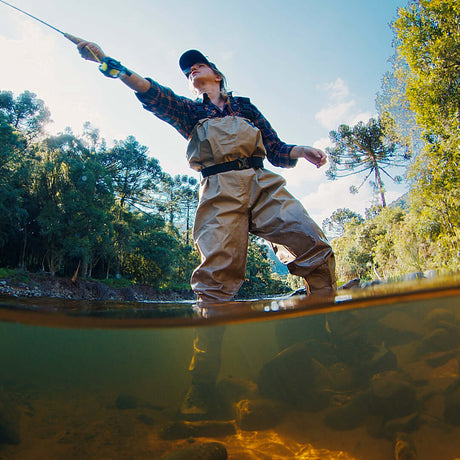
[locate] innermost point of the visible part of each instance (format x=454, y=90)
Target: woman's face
x=201, y=73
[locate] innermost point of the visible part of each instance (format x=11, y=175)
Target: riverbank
x=26, y=284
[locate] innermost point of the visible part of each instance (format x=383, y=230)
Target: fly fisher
x=229, y=139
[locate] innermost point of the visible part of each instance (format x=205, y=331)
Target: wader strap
x=246, y=109
x=241, y=163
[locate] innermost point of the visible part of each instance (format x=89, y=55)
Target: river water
x=369, y=375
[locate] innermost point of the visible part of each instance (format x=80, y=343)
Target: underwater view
x=371, y=374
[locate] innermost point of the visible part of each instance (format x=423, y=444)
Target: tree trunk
x=23, y=255
x=379, y=183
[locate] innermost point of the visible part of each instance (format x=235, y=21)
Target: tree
x=74, y=195
x=429, y=41
x=188, y=202
x=134, y=175
x=25, y=113
x=259, y=279
x=428, y=35
x=22, y=119
x=154, y=251
x=335, y=225
x=364, y=149
x=178, y=197
x=398, y=119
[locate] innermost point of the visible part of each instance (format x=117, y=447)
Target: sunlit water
x=344, y=378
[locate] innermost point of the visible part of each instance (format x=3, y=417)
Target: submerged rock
x=9, y=420
x=406, y=424
x=205, y=451
x=452, y=404
x=291, y=377
x=207, y=429
x=252, y=415
x=125, y=401
x=380, y=359
x=232, y=390
x=438, y=317
x=349, y=415
x=391, y=395
x=440, y=339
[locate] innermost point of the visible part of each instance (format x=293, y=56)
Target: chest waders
x=238, y=196
x=242, y=199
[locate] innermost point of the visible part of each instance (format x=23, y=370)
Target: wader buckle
x=242, y=163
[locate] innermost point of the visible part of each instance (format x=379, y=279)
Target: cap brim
x=189, y=58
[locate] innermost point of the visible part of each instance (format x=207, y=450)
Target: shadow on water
x=369, y=374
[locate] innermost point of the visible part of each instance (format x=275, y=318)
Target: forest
x=417, y=131
x=70, y=202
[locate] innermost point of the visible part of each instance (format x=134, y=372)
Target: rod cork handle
x=73, y=39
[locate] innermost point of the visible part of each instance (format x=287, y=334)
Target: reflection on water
x=379, y=381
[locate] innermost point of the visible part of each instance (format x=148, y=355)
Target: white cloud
x=335, y=114
x=363, y=116
x=332, y=195
x=337, y=89
x=341, y=108
x=322, y=143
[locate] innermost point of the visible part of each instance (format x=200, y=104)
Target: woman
x=228, y=140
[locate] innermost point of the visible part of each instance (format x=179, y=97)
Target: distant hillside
x=402, y=202
x=277, y=267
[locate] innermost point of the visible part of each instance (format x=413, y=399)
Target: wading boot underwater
x=201, y=401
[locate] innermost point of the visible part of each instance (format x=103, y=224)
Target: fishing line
x=66, y=35
x=33, y=17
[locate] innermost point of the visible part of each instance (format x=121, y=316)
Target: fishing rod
x=68, y=36
x=108, y=66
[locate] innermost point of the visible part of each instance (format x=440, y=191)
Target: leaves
x=69, y=201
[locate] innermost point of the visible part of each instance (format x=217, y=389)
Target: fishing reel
x=112, y=68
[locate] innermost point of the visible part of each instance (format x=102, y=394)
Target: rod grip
x=73, y=39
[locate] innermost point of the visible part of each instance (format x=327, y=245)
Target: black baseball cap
x=191, y=57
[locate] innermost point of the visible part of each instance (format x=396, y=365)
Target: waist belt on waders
x=241, y=163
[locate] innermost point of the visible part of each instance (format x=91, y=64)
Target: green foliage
x=177, y=200
x=429, y=40
x=335, y=225
x=390, y=244
x=259, y=279
x=134, y=175
x=364, y=149
x=117, y=283
x=25, y=113
x=69, y=201
x=398, y=120
x=419, y=108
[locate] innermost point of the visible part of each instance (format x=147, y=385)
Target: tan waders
x=232, y=204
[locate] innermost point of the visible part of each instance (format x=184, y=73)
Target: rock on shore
x=45, y=285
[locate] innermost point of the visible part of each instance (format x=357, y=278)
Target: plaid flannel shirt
x=181, y=113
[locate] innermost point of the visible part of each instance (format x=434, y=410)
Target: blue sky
x=308, y=66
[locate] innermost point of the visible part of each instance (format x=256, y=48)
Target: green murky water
x=301, y=378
